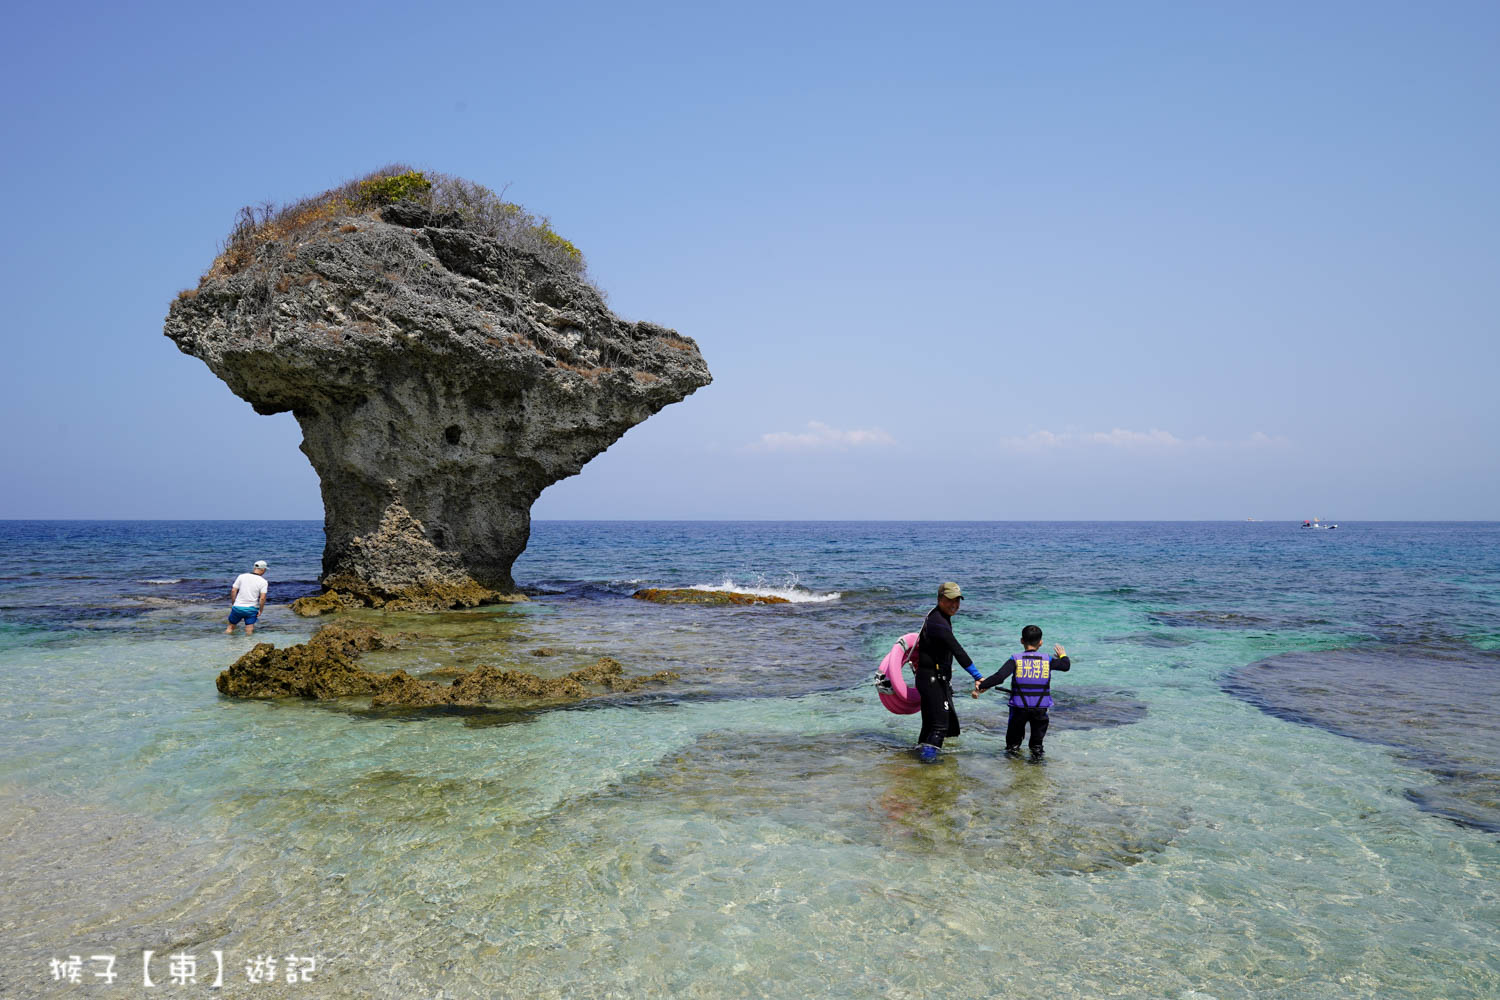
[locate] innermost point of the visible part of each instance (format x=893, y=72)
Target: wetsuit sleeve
x=1062, y=663
x=963, y=658
x=998, y=677
x=940, y=631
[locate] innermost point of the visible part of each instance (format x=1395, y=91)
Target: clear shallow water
x=760, y=828
x=1435, y=703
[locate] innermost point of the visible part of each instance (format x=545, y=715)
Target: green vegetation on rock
x=411, y=185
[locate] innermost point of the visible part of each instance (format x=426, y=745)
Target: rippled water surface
x=1241, y=796
x=1434, y=703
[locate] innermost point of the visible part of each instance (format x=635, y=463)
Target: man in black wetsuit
x=936, y=650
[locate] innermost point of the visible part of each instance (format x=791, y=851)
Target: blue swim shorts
x=246, y=615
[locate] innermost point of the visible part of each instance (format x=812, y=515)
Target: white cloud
x=1121, y=438
x=821, y=437
x=1260, y=439
x=1155, y=440
x=1116, y=438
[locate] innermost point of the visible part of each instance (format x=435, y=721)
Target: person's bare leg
x=249, y=629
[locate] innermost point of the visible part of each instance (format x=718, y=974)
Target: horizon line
x=800, y=520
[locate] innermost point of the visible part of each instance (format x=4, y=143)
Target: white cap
x=261, y=564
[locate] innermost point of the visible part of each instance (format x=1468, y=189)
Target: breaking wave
x=790, y=591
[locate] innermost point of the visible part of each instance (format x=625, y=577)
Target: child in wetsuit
x=1031, y=689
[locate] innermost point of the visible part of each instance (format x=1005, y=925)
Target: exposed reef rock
x=422, y=597
x=488, y=684
x=324, y=667
x=325, y=603
x=442, y=379
x=689, y=596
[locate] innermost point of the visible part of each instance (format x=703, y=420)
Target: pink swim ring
x=889, y=682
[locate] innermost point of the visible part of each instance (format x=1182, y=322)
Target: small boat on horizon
x=1317, y=522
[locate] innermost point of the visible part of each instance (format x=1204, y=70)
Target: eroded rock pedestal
x=442, y=380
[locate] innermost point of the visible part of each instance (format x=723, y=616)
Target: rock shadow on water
x=1154, y=640
x=1081, y=707
x=868, y=789
x=1437, y=705
x=1207, y=619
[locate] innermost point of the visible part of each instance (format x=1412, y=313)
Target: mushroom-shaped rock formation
x=442, y=373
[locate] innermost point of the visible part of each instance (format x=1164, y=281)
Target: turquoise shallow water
x=1253, y=787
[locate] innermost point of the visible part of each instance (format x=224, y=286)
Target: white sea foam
x=788, y=591
x=161, y=583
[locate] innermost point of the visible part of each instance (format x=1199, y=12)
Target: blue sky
x=962, y=261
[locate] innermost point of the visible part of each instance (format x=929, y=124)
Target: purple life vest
x=1031, y=686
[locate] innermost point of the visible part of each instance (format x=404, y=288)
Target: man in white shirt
x=247, y=598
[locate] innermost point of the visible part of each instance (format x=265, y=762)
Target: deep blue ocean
x=1274, y=770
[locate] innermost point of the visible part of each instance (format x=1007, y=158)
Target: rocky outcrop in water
x=442, y=380
x=324, y=667
x=485, y=685
x=687, y=595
